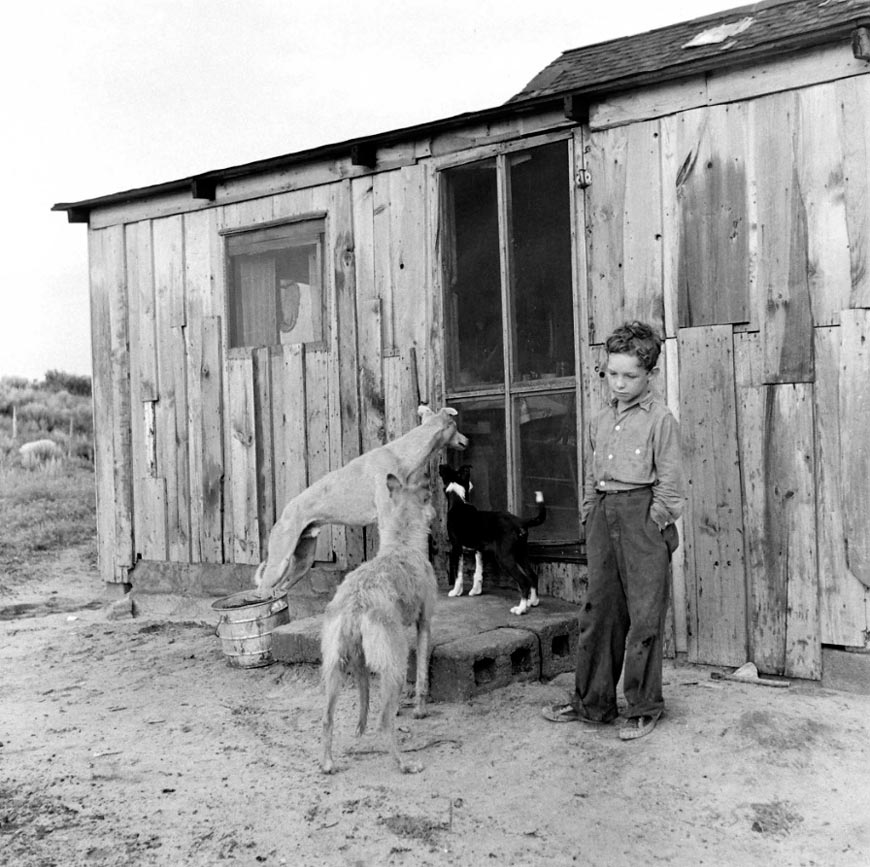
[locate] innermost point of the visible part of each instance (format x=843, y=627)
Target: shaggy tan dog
x=350, y=495
x=365, y=624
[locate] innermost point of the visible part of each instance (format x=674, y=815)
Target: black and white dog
x=500, y=533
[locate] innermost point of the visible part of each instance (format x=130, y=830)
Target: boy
x=632, y=496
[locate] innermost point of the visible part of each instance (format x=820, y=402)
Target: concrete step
x=477, y=644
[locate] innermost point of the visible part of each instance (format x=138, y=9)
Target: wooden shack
x=256, y=326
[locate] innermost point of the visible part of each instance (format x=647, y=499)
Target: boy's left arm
x=668, y=491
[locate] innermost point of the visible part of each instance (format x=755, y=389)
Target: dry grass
x=43, y=511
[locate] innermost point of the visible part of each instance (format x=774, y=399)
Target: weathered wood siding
x=759, y=240
x=728, y=210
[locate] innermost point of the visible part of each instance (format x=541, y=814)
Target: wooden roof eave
x=362, y=150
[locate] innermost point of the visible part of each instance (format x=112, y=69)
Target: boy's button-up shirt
x=636, y=447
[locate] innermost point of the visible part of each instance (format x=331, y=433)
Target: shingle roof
x=715, y=41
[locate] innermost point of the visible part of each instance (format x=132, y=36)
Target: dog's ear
x=424, y=411
x=393, y=484
x=448, y=410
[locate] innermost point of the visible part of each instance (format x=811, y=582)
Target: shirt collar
x=644, y=401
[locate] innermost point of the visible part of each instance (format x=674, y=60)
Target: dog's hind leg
x=391, y=691
x=477, y=587
x=386, y=651
x=456, y=563
x=532, y=579
x=523, y=583
x=332, y=678
x=421, y=685
x=361, y=673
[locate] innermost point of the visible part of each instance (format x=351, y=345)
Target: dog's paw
x=328, y=767
x=522, y=608
x=476, y=590
x=456, y=591
x=407, y=767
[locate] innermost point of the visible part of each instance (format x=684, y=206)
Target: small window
x=276, y=285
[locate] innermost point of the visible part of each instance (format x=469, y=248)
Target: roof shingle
x=715, y=41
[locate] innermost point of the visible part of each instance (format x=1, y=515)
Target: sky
x=102, y=96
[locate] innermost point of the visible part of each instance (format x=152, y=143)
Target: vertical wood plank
x=606, y=156
x=716, y=591
x=168, y=241
x=844, y=602
x=142, y=314
x=317, y=422
x=136, y=275
x=199, y=229
x=623, y=214
x=342, y=242
x=855, y=439
x=644, y=298
x=171, y=408
x=101, y=283
x=766, y=599
x=264, y=449
x=210, y=500
x=434, y=384
x=671, y=379
x=776, y=434
x=114, y=252
x=854, y=97
x=152, y=543
x=409, y=254
x=789, y=524
x=669, y=141
x=382, y=185
x=220, y=304
x=712, y=192
x=369, y=326
x=400, y=401
x=290, y=433
x=243, y=461
x=782, y=248
x=819, y=155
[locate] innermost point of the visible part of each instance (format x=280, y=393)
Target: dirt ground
x=128, y=742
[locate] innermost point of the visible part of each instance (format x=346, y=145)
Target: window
x=509, y=317
x=276, y=285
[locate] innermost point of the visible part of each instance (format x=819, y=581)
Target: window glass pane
x=546, y=426
x=276, y=286
x=472, y=276
x=482, y=421
x=541, y=262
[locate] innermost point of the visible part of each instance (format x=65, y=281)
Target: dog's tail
x=340, y=643
x=385, y=645
x=542, y=512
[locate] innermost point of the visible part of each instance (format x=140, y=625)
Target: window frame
x=317, y=236
x=506, y=389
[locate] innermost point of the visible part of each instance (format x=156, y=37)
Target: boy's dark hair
x=636, y=338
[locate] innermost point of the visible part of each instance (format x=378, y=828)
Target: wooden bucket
x=245, y=627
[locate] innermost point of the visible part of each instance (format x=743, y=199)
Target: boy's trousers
x=623, y=613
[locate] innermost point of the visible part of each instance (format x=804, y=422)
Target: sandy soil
x=132, y=742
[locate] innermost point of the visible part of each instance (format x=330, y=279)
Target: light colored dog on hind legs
x=366, y=624
x=350, y=495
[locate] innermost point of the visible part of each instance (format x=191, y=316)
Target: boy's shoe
x=566, y=712
x=638, y=726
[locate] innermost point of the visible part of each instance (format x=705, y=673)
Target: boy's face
x=626, y=377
